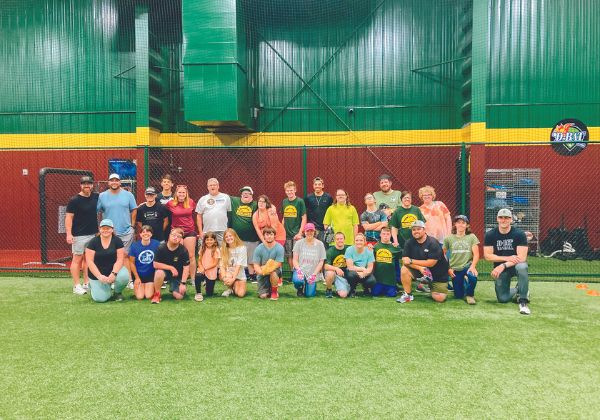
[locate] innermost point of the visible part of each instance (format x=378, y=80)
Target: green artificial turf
x=67, y=357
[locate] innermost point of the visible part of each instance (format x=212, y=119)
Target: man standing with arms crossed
x=317, y=204
x=211, y=211
x=294, y=219
x=81, y=225
x=506, y=247
x=119, y=206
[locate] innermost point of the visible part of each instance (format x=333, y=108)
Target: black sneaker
x=118, y=297
x=328, y=293
x=300, y=292
x=367, y=292
x=352, y=294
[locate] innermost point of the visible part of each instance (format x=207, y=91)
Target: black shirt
x=178, y=258
x=104, y=258
x=316, y=208
x=153, y=216
x=505, y=245
x=85, y=216
x=429, y=250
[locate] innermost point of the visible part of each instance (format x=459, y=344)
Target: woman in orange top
x=266, y=215
x=438, y=222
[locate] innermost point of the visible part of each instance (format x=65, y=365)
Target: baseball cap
x=384, y=176
x=114, y=175
x=309, y=226
x=246, y=188
x=151, y=190
x=87, y=180
x=504, y=213
x=461, y=217
x=383, y=206
x=418, y=224
x=107, y=222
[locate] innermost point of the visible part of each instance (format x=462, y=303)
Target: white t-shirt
x=238, y=256
x=213, y=209
x=309, y=256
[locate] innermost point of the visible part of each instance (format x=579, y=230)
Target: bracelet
x=504, y=265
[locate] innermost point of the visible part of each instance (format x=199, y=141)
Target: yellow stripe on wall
x=475, y=132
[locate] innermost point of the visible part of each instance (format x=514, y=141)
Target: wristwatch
x=113, y=273
x=410, y=260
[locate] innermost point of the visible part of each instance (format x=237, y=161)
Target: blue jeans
x=504, y=293
x=464, y=283
x=380, y=289
x=300, y=283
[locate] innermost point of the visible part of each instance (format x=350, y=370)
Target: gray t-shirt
x=392, y=198
x=238, y=256
x=309, y=256
x=213, y=210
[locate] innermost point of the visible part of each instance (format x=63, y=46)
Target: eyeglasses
x=175, y=235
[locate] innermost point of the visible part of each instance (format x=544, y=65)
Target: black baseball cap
x=385, y=176
x=86, y=180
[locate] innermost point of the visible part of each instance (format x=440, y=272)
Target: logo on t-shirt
x=210, y=202
x=146, y=257
x=290, y=212
x=408, y=220
x=505, y=245
x=339, y=261
x=383, y=256
x=244, y=211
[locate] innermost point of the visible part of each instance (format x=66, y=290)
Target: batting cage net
x=459, y=95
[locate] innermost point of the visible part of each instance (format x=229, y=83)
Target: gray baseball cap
x=504, y=213
x=418, y=224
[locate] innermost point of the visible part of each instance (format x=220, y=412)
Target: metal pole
x=146, y=166
x=304, y=171
x=463, y=178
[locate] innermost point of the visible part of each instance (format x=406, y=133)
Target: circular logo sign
x=569, y=137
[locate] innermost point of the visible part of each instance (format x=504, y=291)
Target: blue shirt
x=118, y=208
x=360, y=260
x=262, y=254
x=144, y=257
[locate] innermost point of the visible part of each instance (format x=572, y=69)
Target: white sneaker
x=130, y=285
x=227, y=293
x=405, y=298
x=164, y=285
x=86, y=286
x=79, y=290
x=524, y=309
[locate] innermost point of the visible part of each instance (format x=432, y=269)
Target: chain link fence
x=552, y=196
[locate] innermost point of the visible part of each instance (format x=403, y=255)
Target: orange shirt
x=207, y=259
x=271, y=221
x=436, y=220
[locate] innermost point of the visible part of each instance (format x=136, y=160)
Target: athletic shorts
x=439, y=287
x=147, y=279
x=127, y=239
x=264, y=282
x=174, y=283
x=341, y=284
x=79, y=243
x=289, y=247
x=250, y=248
x=190, y=235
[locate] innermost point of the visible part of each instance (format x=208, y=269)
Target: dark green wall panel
x=543, y=62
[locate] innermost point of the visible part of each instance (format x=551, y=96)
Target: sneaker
x=328, y=293
x=405, y=298
x=79, y=290
x=471, y=300
x=227, y=293
x=118, y=297
x=164, y=285
x=450, y=286
x=423, y=288
x=274, y=295
x=130, y=284
x=300, y=292
x=156, y=297
x=86, y=286
x=198, y=297
x=352, y=294
x=524, y=309
x=367, y=292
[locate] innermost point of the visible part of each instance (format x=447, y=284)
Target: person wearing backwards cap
x=153, y=214
x=240, y=220
x=506, y=247
x=119, y=206
x=81, y=225
x=423, y=259
x=464, y=256
x=308, y=257
x=105, y=256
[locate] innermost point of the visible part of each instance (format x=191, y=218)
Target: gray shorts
x=79, y=243
x=127, y=239
x=289, y=247
x=264, y=283
x=250, y=248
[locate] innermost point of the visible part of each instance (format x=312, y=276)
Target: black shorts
x=147, y=279
x=190, y=235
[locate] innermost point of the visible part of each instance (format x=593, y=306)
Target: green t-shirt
x=392, y=199
x=292, y=215
x=461, y=250
x=336, y=257
x=402, y=219
x=240, y=219
x=386, y=256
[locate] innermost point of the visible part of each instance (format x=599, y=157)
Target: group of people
x=237, y=239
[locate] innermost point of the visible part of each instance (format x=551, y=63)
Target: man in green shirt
x=240, y=220
x=386, y=258
x=294, y=218
x=335, y=267
x=387, y=195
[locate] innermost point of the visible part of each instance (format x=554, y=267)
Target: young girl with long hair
x=208, y=265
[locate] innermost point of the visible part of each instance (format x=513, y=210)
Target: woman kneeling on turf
x=464, y=256
x=105, y=256
x=141, y=257
x=234, y=259
x=172, y=263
